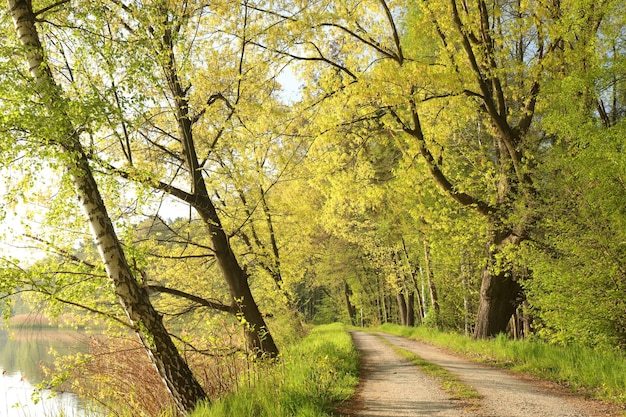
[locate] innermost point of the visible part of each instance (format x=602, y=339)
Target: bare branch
x=206, y=352
x=96, y=311
x=394, y=29
x=212, y=99
x=182, y=195
x=377, y=46
x=321, y=58
x=52, y=6
x=216, y=305
x=60, y=251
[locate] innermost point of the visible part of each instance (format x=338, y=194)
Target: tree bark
x=351, y=310
x=402, y=308
x=498, y=300
x=259, y=338
x=434, y=299
x=500, y=293
x=178, y=378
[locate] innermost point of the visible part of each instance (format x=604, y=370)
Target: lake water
x=21, y=356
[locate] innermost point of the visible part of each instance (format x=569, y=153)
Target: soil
x=391, y=387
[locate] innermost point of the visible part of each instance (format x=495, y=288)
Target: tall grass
x=598, y=372
x=311, y=379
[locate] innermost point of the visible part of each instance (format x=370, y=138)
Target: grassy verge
x=312, y=379
x=599, y=373
x=448, y=381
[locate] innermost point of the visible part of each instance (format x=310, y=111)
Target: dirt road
x=392, y=387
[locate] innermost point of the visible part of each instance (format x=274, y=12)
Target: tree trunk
x=434, y=299
x=466, y=315
x=465, y=286
x=351, y=310
x=500, y=293
x=498, y=301
x=526, y=319
x=260, y=340
x=411, y=271
x=402, y=308
x=410, y=309
x=380, y=300
x=147, y=322
x=180, y=381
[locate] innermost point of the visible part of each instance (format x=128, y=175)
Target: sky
x=14, y=223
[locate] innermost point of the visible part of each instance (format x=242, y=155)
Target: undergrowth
x=311, y=379
x=598, y=372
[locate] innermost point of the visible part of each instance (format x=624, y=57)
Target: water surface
x=22, y=355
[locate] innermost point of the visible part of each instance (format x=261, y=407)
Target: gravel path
x=392, y=387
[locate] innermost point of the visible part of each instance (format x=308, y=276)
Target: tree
x=459, y=85
x=576, y=252
x=165, y=114
x=180, y=147
x=134, y=299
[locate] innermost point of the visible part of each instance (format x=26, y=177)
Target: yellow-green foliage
x=310, y=379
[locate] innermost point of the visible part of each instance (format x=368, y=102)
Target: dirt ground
x=391, y=387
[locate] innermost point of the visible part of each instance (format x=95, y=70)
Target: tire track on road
x=391, y=386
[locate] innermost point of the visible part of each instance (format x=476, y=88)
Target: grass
x=600, y=373
x=312, y=378
x=448, y=381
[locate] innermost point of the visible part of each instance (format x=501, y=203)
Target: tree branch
x=48, y=8
x=369, y=42
x=321, y=58
x=396, y=38
x=216, y=305
x=508, y=135
x=529, y=110
x=60, y=251
x=182, y=195
x=436, y=172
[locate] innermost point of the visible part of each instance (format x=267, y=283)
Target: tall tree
x=172, y=106
x=146, y=321
x=458, y=84
x=576, y=254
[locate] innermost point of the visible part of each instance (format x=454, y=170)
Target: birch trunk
x=147, y=322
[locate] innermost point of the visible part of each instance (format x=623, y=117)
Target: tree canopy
x=449, y=163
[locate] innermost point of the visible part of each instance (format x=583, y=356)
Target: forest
x=205, y=180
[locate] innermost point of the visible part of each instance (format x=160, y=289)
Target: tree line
x=451, y=163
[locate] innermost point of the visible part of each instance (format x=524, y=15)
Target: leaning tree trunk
x=179, y=380
x=260, y=340
x=258, y=336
